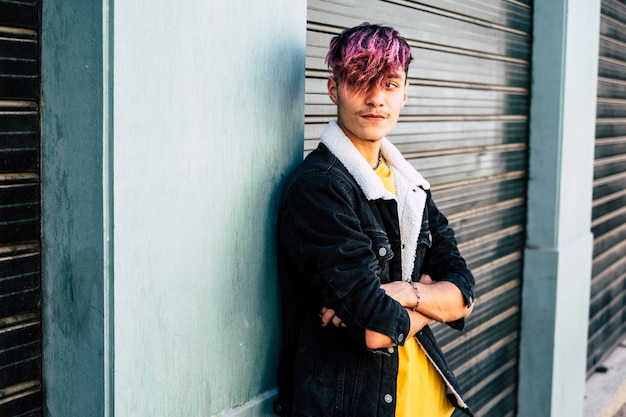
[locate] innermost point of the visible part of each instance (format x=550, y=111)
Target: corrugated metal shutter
x=465, y=128
x=607, y=313
x=20, y=325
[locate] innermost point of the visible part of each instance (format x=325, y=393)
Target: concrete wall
x=167, y=131
x=72, y=208
x=558, y=255
x=208, y=116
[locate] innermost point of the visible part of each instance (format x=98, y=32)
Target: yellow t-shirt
x=420, y=391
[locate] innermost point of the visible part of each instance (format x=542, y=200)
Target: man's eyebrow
x=394, y=75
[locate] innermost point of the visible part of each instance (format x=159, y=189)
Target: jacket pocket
x=383, y=252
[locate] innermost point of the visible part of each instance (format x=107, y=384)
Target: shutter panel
x=607, y=315
x=465, y=128
x=20, y=324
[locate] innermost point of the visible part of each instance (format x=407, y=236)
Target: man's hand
x=426, y=279
x=403, y=292
x=328, y=316
x=398, y=290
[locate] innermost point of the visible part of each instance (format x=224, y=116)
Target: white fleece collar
x=410, y=198
x=341, y=146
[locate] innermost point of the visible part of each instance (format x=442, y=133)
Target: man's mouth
x=374, y=116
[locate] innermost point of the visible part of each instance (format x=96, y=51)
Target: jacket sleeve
x=321, y=230
x=443, y=262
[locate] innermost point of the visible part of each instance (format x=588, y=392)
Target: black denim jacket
x=335, y=248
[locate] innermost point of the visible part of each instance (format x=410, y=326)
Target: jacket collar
x=341, y=146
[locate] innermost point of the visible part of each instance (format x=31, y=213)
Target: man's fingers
x=327, y=315
x=426, y=279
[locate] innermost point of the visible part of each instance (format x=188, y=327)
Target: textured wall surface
x=72, y=209
x=167, y=130
x=207, y=119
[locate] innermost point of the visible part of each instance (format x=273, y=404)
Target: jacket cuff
x=403, y=328
x=398, y=334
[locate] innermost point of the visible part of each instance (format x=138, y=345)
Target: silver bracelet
x=417, y=293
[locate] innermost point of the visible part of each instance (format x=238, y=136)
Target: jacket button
x=388, y=398
x=382, y=251
x=390, y=349
x=400, y=337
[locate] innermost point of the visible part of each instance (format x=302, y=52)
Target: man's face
x=371, y=115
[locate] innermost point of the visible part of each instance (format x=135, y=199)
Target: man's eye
x=392, y=85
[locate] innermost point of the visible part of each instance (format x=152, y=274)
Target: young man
x=366, y=260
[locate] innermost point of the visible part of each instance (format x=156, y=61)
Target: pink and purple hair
x=366, y=54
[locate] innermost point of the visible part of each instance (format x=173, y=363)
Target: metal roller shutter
x=465, y=128
x=20, y=325
x=607, y=315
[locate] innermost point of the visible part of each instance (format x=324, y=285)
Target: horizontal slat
x=610, y=203
x=609, y=165
x=602, y=343
x=611, y=68
x=460, y=33
x=13, y=122
x=613, y=10
x=450, y=168
x=609, y=147
x=493, y=246
x=19, y=65
x=19, y=213
x=501, y=313
x=611, y=88
x=606, y=329
x=19, y=14
x=472, y=194
x=606, y=241
x=608, y=222
x=20, y=349
x=505, y=15
x=488, y=364
x=22, y=400
x=607, y=266
x=19, y=283
x=611, y=108
x=19, y=154
x=610, y=128
x=612, y=49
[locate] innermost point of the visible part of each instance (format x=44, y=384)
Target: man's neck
x=369, y=149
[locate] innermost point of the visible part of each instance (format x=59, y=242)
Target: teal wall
x=558, y=254
x=208, y=109
x=72, y=208
x=167, y=132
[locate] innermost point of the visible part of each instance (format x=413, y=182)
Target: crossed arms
x=439, y=301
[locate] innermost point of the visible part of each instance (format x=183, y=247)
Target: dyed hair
x=364, y=55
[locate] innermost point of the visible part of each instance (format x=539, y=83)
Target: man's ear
x=332, y=89
x=406, y=93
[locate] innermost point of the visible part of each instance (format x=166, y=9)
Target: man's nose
x=374, y=96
